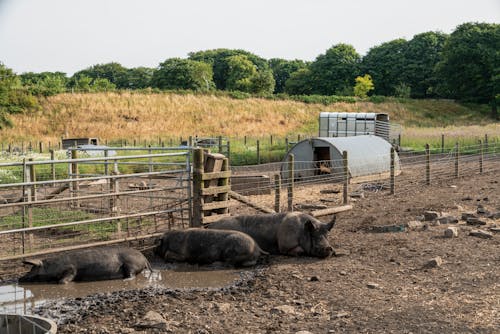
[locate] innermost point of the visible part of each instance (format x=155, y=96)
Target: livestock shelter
x=342, y=124
x=367, y=156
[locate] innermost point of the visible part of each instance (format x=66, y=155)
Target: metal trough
x=26, y=324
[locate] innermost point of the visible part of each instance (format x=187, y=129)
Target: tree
x=45, y=83
x=421, y=54
x=385, y=63
x=176, y=73
x=282, y=69
x=333, y=73
x=139, y=77
x=363, y=85
x=114, y=72
x=299, y=83
x=102, y=85
x=218, y=59
x=470, y=66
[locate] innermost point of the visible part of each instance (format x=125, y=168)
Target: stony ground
x=377, y=283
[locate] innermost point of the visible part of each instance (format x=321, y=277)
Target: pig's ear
x=36, y=263
x=309, y=226
x=331, y=224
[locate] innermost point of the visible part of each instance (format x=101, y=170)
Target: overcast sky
x=70, y=35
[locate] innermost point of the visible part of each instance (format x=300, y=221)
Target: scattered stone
x=466, y=215
x=329, y=191
x=467, y=198
x=314, y=278
x=342, y=314
x=481, y=234
x=434, y=223
x=420, y=218
x=373, y=285
x=223, y=307
x=303, y=332
x=475, y=221
x=434, y=263
x=451, y=232
x=388, y=228
x=152, y=319
x=481, y=210
x=340, y=252
x=494, y=215
x=359, y=194
x=299, y=301
x=431, y=215
x=459, y=207
x=343, y=273
x=297, y=276
x=447, y=220
x=453, y=186
x=414, y=225
x=495, y=229
x=284, y=309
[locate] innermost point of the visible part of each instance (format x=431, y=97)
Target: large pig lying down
x=196, y=245
x=88, y=265
x=283, y=233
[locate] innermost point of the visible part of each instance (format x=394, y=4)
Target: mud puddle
x=23, y=298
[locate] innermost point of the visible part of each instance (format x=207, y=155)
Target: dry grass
x=128, y=115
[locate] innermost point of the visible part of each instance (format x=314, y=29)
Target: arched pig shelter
x=322, y=157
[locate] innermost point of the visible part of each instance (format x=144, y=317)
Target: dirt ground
x=377, y=282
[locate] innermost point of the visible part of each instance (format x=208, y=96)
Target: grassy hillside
x=113, y=116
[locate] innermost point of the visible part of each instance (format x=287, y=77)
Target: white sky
x=70, y=35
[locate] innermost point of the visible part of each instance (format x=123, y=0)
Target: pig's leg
x=68, y=275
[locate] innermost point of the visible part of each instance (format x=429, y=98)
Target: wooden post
x=53, y=166
x=480, y=157
x=286, y=143
x=135, y=142
x=346, y=178
x=456, y=159
x=258, y=152
x=228, y=151
x=271, y=140
x=220, y=144
x=277, y=192
x=399, y=140
x=393, y=179
x=31, y=198
x=224, y=182
x=114, y=201
x=486, y=142
x=442, y=143
x=40, y=147
x=197, y=187
x=74, y=175
x=291, y=175
x=245, y=140
x=10, y=148
x=427, y=165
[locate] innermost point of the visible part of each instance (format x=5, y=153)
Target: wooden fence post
x=291, y=175
x=220, y=144
x=74, y=175
x=456, y=159
x=286, y=143
x=346, y=177
x=277, y=192
x=442, y=143
x=197, y=187
x=31, y=198
x=258, y=152
x=392, y=179
x=53, y=166
x=427, y=165
x=480, y=157
x=40, y=147
x=486, y=142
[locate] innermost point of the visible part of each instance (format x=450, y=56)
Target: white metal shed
x=367, y=155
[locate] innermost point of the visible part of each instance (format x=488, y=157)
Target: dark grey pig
x=197, y=245
x=283, y=233
x=87, y=265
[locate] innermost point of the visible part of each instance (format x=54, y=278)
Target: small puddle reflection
x=17, y=298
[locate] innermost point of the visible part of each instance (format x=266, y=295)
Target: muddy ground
x=377, y=283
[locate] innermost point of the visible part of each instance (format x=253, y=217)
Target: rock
x=434, y=263
x=415, y=225
x=467, y=198
x=343, y=273
x=475, y=221
x=340, y=252
x=342, y=314
x=152, y=319
x=284, y=309
x=357, y=195
x=303, y=332
x=314, y=278
x=481, y=234
x=495, y=229
x=481, y=210
x=388, y=228
x=430, y=215
x=494, y=215
x=451, y=232
x=223, y=307
x=466, y=215
x=372, y=285
x=447, y=220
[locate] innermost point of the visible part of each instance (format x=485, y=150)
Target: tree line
x=464, y=65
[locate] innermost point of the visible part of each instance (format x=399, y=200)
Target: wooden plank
x=215, y=205
x=215, y=190
x=246, y=201
x=211, y=219
x=216, y=175
x=330, y=211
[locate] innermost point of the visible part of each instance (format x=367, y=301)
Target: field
x=377, y=282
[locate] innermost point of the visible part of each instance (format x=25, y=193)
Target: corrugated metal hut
x=368, y=157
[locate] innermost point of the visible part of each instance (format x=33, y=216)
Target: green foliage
x=385, y=64
x=113, y=72
x=402, y=90
x=176, y=73
x=363, y=85
x=470, y=66
x=333, y=73
x=300, y=82
x=421, y=54
x=243, y=76
x=218, y=59
x=282, y=70
x=139, y=77
x=45, y=83
x=102, y=85
x=82, y=83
